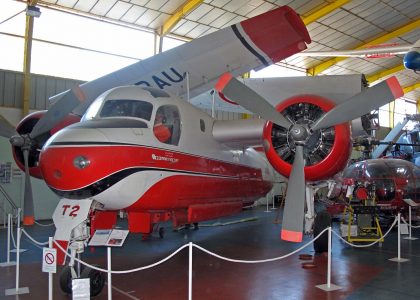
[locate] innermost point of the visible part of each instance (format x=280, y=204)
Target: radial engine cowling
x=326, y=151
x=24, y=127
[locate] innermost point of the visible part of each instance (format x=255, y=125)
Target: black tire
x=97, y=280
x=322, y=221
x=66, y=280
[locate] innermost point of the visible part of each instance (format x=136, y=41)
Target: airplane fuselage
x=118, y=159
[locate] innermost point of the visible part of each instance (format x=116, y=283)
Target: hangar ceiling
x=333, y=25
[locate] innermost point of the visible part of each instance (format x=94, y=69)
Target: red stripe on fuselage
x=59, y=171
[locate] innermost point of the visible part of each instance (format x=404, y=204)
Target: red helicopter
x=390, y=181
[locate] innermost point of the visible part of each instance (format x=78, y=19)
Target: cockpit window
x=354, y=171
x=167, y=125
x=127, y=108
x=378, y=170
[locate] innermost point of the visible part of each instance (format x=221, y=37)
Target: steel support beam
x=411, y=88
x=381, y=39
x=376, y=76
x=391, y=106
x=323, y=11
x=29, y=27
x=183, y=10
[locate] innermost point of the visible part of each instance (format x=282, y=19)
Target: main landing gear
x=97, y=279
x=78, y=271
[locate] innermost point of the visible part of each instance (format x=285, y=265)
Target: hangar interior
x=51, y=46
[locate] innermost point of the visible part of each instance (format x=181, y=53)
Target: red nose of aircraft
x=71, y=161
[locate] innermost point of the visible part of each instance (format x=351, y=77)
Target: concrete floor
x=362, y=273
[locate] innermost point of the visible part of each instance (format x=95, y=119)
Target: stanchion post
x=17, y=290
x=399, y=236
x=409, y=220
x=410, y=237
x=399, y=259
x=50, y=274
x=18, y=257
x=18, y=229
x=109, y=273
x=328, y=286
x=329, y=260
x=9, y=232
x=190, y=248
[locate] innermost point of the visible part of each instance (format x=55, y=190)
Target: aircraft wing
x=336, y=88
x=250, y=44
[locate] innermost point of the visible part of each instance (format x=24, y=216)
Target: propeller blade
x=6, y=129
x=294, y=209
x=249, y=99
x=68, y=101
x=361, y=104
x=28, y=201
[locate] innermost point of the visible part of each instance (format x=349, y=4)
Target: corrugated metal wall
x=42, y=87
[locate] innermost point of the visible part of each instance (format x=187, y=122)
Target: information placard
x=108, y=237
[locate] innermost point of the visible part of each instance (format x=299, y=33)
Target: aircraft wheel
x=65, y=280
x=97, y=280
x=322, y=221
x=195, y=226
x=161, y=232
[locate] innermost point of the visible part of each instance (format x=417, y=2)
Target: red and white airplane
x=158, y=158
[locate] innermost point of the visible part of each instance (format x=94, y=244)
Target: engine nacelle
x=326, y=151
x=25, y=126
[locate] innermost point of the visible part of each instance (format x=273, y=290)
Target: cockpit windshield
x=119, y=108
x=127, y=108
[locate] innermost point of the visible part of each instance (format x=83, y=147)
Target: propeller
x=65, y=104
x=6, y=129
x=356, y=106
x=23, y=141
x=292, y=228
x=360, y=104
x=231, y=87
x=28, y=207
